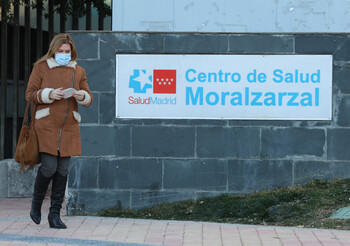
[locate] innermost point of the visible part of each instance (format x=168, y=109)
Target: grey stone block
x=134, y=42
x=107, y=51
x=228, y=142
x=100, y=74
x=341, y=78
x=342, y=52
x=130, y=174
x=20, y=185
x=181, y=122
x=281, y=123
x=338, y=142
x=152, y=141
x=260, y=123
x=281, y=143
x=143, y=199
x=196, y=43
x=305, y=171
x=343, y=118
x=13, y=184
x=312, y=123
x=138, y=122
x=107, y=109
x=197, y=122
x=105, y=140
x=201, y=195
x=317, y=44
x=93, y=201
x=261, y=44
x=3, y=180
x=245, y=176
x=86, y=44
x=171, y=122
x=83, y=173
x=90, y=114
x=195, y=175
x=338, y=45
x=341, y=169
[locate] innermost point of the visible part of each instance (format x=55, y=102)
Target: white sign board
x=266, y=87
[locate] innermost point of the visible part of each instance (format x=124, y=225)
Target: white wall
x=239, y=16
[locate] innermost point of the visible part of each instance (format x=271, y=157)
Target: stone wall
x=136, y=163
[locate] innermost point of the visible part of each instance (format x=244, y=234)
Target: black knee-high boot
x=57, y=195
x=40, y=188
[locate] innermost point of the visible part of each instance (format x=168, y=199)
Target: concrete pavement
x=16, y=228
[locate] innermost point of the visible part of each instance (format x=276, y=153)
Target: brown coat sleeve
x=83, y=86
x=40, y=95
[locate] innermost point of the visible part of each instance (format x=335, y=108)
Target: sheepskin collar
x=52, y=63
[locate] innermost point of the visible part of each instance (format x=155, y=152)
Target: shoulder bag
x=27, y=150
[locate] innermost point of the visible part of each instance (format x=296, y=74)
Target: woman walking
x=56, y=121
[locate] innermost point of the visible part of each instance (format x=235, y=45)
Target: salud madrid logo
x=161, y=81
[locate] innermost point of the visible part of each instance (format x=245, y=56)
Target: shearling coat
x=57, y=121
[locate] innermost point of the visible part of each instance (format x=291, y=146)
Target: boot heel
x=55, y=221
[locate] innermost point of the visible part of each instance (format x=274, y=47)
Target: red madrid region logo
x=164, y=81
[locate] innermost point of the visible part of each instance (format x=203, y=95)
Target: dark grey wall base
x=135, y=163
x=136, y=183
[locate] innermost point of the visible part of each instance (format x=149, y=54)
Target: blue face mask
x=63, y=59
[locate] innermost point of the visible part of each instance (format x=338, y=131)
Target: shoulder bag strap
x=33, y=107
x=31, y=103
x=73, y=77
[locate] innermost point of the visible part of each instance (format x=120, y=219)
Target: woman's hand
x=56, y=94
x=79, y=95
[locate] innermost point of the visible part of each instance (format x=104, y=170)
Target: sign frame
x=135, y=116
